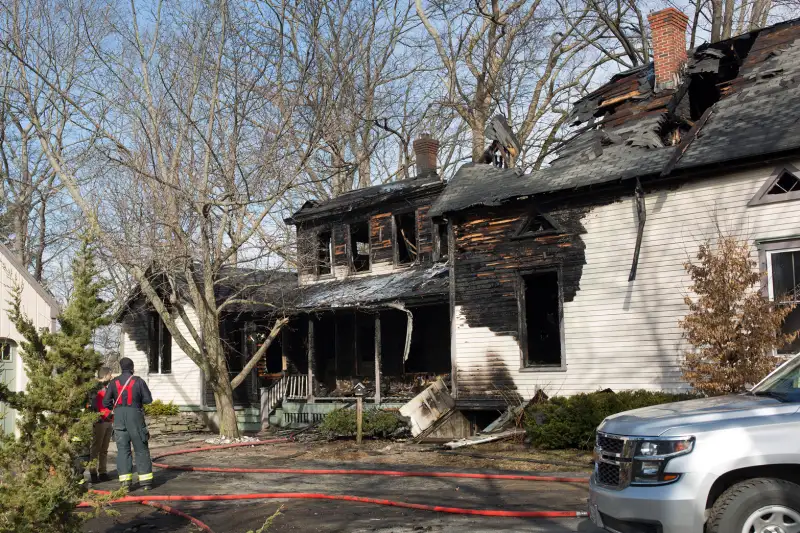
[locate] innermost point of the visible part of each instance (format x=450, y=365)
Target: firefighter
x=102, y=429
x=125, y=396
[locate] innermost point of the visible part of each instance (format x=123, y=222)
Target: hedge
x=571, y=422
x=158, y=409
x=376, y=423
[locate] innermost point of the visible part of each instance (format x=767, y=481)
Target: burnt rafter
x=538, y=224
x=505, y=147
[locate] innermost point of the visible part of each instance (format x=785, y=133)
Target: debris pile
x=221, y=440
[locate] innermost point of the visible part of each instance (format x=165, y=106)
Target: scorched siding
x=617, y=334
x=184, y=385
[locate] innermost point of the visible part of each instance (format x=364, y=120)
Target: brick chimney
x=668, y=33
x=426, y=149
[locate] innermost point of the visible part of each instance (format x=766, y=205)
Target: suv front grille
x=608, y=474
x=610, y=444
x=613, y=461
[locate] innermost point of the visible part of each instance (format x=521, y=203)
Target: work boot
x=125, y=485
x=147, y=488
x=104, y=477
x=94, y=478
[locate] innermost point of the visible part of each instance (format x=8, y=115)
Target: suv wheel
x=761, y=505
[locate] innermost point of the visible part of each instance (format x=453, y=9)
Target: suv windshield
x=784, y=385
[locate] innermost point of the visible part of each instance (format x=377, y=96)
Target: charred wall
x=491, y=254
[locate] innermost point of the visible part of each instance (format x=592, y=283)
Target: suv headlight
x=652, y=455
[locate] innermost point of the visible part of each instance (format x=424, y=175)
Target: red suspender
x=127, y=388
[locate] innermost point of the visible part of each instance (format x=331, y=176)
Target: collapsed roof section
x=736, y=99
x=411, y=286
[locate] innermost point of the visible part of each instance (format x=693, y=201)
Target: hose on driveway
x=152, y=500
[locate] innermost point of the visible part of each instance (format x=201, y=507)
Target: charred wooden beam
x=310, y=397
x=377, y=358
x=686, y=142
x=641, y=215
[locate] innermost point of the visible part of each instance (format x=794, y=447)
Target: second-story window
x=359, y=246
x=405, y=226
x=324, y=253
x=442, y=242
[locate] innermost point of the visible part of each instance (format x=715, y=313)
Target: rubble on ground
x=221, y=440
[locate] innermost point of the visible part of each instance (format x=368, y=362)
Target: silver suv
x=729, y=464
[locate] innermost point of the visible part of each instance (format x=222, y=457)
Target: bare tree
x=188, y=113
x=523, y=58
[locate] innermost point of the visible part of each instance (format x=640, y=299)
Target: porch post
x=378, y=358
x=310, y=397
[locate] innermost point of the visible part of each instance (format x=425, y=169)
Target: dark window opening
x=405, y=225
x=324, y=253
x=430, y=340
x=542, y=319
x=159, y=356
x=786, y=182
x=359, y=247
x=785, y=277
x=442, y=242
x=6, y=352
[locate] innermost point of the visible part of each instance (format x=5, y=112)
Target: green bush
x=376, y=423
x=570, y=422
x=159, y=409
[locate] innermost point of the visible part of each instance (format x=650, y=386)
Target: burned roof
x=245, y=290
x=406, y=286
x=368, y=197
x=737, y=99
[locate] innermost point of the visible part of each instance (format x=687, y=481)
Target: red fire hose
x=152, y=500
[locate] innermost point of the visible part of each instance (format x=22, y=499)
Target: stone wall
x=176, y=424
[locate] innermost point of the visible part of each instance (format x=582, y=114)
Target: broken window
x=359, y=247
x=324, y=253
x=159, y=356
x=405, y=226
x=442, y=242
x=542, y=319
x=783, y=268
x=783, y=185
x=538, y=224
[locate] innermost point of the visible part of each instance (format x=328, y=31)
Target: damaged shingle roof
x=403, y=286
x=367, y=197
x=623, y=121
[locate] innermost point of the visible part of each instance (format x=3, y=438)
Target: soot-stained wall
x=490, y=256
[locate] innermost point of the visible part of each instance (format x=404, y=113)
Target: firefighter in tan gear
x=125, y=396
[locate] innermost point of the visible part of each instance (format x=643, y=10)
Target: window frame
x=522, y=325
x=12, y=350
x=762, y=198
x=160, y=332
x=317, y=234
x=350, y=262
x=524, y=233
x=437, y=242
x=766, y=249
x=396, y=235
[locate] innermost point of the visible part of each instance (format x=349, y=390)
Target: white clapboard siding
x=35, y=302
x=625, y=335
x=184, y=386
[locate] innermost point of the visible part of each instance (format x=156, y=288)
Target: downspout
x=641, y=214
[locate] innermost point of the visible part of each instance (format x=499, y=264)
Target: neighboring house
x=253, y=297
x=570, y=279
x=38, y=305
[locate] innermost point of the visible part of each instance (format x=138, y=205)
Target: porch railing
x=289, y=387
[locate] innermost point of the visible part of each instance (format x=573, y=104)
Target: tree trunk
x=223, y=394
x=478, y=126
x=727, y=25
x=716, y=20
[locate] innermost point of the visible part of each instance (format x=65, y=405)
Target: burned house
x=373, y=297
x=250, y=300
x=570, y=279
